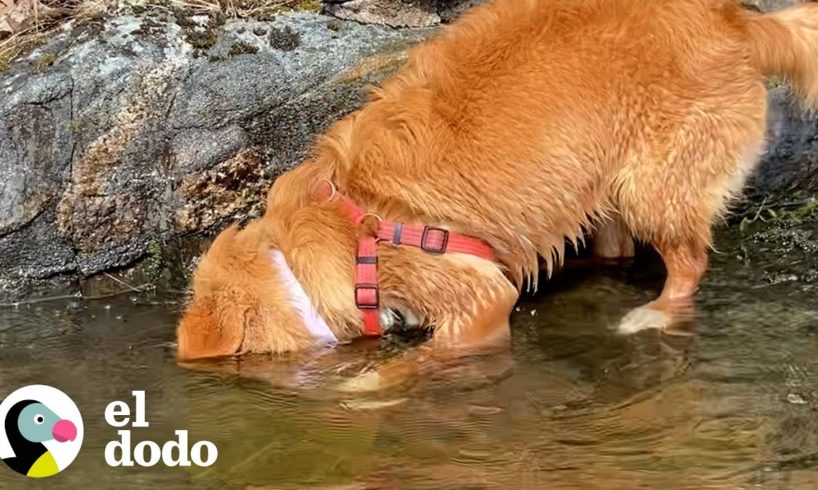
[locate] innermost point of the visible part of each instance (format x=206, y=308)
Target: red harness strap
x=427, y=238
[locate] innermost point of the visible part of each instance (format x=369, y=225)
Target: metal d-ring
x=331, y=186
x=367, y=215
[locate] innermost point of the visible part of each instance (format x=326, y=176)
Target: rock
x=768, y=5
x=34, y=148
x=392, y=13
x=144, y=129
x=398, y=13
x=36, y=251
x=450, y=9
x=790, y=165
x=198, y=149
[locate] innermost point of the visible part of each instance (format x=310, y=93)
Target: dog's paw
x=399, y=318
x=645, y=318
x=389, y=318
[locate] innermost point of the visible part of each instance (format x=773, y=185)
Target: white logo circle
x=41, y=431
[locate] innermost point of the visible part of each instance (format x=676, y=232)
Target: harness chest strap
x=367, y=296
x=427, y=238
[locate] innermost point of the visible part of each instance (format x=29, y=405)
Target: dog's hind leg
x=686, y=265
x=672, y=189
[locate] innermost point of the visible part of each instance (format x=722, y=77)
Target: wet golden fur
x=525, y=123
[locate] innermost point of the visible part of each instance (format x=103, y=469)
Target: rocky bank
x=122, y=137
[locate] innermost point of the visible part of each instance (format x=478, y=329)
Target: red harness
x=427, y=238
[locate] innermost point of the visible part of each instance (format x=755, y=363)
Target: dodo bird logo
x=41, y=431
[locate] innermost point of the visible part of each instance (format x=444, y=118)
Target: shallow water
x=734, y=404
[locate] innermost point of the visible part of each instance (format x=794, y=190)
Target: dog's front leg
x=472, y=318
x=433, y=357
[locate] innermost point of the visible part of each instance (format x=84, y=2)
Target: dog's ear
x=211, y=328
x=215, y=320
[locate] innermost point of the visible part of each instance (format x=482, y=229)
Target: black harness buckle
x=428, y=233
x=362, y=303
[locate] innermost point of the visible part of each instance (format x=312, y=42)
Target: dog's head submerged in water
x=246, y=297
x=239, y=302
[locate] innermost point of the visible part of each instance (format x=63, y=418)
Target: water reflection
x=734, y=405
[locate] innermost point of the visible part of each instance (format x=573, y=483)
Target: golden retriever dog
x=511, y=133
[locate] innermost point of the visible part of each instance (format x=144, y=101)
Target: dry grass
x=244, y=9
x=82, y=10
x=41, y=28
x=12, y=46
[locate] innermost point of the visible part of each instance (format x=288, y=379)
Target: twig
x=77, y=295
x=120, y=281
x=797, y=203
x=41, y=300
x=760, y=209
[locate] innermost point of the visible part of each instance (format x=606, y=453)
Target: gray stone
x=134, y=136
x=392, y=13
x=768, y=5
x=197, y=149
x=36, y=251
x=450, y=9
x=35, y=146
x=399, y=13
x=790, y=165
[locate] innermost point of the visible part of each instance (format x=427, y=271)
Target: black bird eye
x=39, y=419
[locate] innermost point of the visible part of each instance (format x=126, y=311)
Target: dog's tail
x=785, y=43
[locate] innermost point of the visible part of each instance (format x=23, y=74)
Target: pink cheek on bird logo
x=64, y=430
